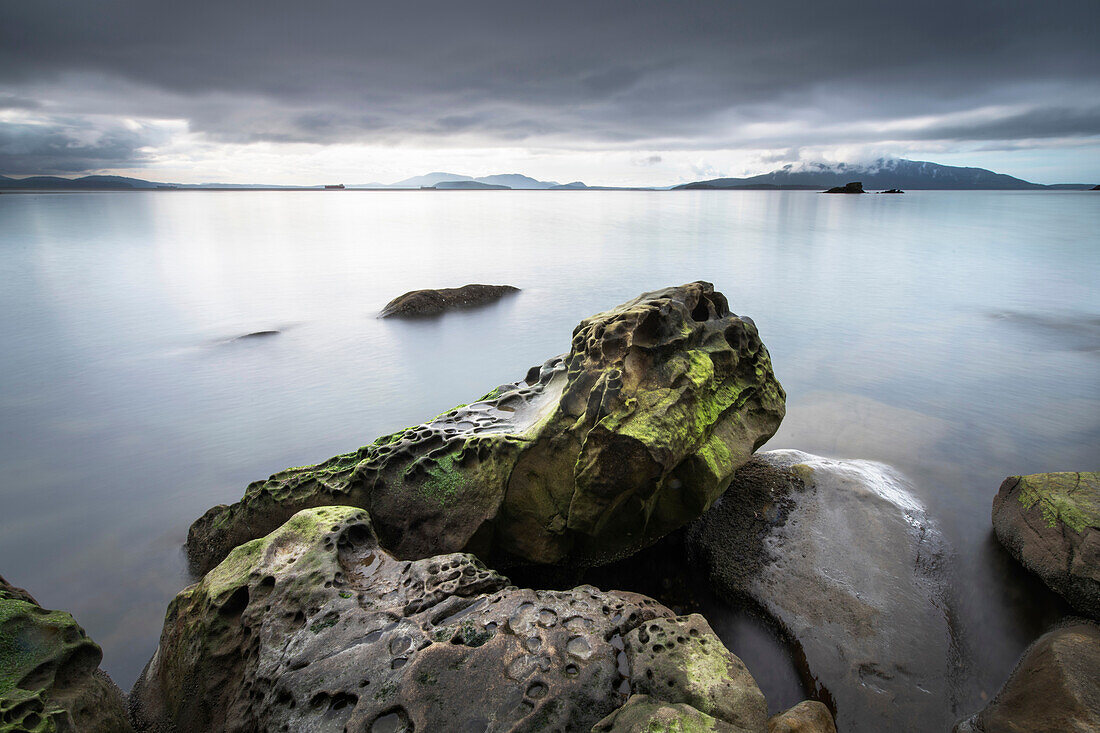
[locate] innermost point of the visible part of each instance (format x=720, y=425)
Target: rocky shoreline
x=367, y=592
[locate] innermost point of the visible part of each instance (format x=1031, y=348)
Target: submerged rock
x=1050, y=522
x=594, y=455
x=844, y=558
x=853, y=187
x=316, y=627
x=433, y=302
x=1055, y=687
x=49, y=672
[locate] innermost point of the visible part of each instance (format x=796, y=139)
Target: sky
x=603, y=91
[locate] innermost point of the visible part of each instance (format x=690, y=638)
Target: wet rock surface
x=1055, y=687
x=808, y=716
x=433, y=302
x=644, y=713
x=1050, y=522
x=49, y=672
x=315, y=627
x=844, y=558
x=592, y=456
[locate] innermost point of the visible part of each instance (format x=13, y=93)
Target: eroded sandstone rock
x=845, y=559
x=1050, y=522
x=50, y=679
x=808, y=716
x=315, y=627
x=594, y=455
x=1054, y=688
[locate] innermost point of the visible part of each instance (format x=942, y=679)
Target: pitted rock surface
x=50, y=679
x=595, y=454
x=315, y=627
x=681, y=660
x=1050, y=522
x=844, y=557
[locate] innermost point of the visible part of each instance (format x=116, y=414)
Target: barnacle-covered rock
x=595, y=454
x=50, y=679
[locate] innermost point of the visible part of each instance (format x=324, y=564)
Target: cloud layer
x=634, y=77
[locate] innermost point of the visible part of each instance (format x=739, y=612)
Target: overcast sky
x=286, y=91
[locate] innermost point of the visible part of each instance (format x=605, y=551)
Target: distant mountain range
x=882, y=174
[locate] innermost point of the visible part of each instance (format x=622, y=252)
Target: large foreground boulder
x=1050, y=522
x=316, y=627
x=844, y=558
x=432, y=302
x=594, y=455
x=1055, y=687
x=50, y=679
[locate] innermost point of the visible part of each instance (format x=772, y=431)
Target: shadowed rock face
x=594, y=455
x=49, y=672
x=315, y=627
x=1054, y=687
x=1050, y=522
x=845, y=559
x=433, y=302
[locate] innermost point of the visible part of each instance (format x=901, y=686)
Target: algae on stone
x=595, y=454
x=1050, y=522
x=49, y=672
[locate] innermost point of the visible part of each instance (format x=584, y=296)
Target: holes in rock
x=572, y=670
x=236, y=603
x=392, y=721
x=536, y=690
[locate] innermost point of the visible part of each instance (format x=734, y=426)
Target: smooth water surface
x=954, y=335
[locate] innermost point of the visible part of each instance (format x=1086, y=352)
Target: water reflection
x=124, y=414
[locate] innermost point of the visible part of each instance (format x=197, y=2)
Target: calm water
x=955, y=335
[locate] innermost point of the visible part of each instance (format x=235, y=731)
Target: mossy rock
x=1050, y=522
x=316, y=627
x=594, y=455
x=50, y=679
x=644, y=714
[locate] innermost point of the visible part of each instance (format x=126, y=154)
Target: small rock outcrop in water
x=316, y=627
x=842, y=556
x=256, y=335
x=594, y=455
x=1055, y=686
x=892, y=190
x=853, y=187
x=49, y=672
x=1050, y=522
x=434, y=302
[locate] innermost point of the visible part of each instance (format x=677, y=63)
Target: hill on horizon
x=881, y=174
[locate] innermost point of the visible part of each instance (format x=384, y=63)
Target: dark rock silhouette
x=893, y=190
x=433, y=302
x=853, y=187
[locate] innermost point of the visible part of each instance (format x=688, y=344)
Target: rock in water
x=594, y=455
x=49, y=672
x=433, y=302
x=842, y=555
x=1055, y=687
x=315, y=627
x=1050, y=522
x=853, y=187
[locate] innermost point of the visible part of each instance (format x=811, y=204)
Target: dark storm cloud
x=561, y=74
x=65, y=146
